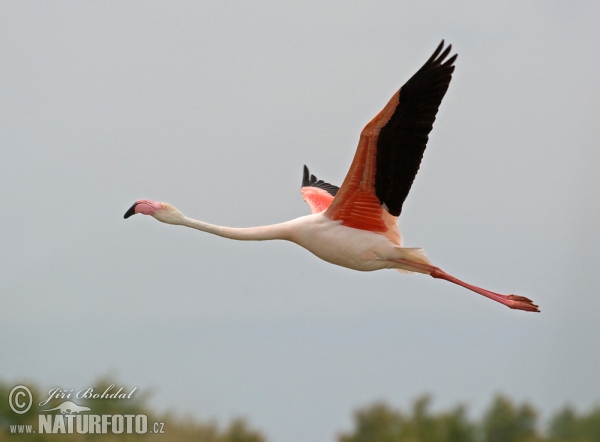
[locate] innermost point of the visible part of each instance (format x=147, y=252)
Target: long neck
x=261, y=233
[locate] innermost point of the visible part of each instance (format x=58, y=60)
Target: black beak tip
x=131, y=211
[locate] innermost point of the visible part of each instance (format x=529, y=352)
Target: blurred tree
x=379, y=423
x=504, y=422
x=563, y=426
x=567, y=426
x=238, y=431
x=455, y=427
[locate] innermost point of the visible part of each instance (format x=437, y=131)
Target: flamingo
x=355, y=225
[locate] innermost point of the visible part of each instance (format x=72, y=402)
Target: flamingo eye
x=164, y=206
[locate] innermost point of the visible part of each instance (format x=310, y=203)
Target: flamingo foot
x=521, y=303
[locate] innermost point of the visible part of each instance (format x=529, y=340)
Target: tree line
x=503, y=421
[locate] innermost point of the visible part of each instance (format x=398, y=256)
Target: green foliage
x=503, y=421
x=379, y=423
x=566, y=425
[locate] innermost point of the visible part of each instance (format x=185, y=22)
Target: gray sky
x=215, y=108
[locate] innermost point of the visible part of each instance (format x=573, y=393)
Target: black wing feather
x=309, y=180
x=401, y=142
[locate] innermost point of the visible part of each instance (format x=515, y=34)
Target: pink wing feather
x=317, y=199
x=317, y=193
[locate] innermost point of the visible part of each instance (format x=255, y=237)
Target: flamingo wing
x=390, y=149
x=317, y=193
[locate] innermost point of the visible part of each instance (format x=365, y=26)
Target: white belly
x=353, y=248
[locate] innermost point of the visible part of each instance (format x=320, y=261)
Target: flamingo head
x=163, y=212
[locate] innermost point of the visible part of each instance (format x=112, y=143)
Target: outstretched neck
x=260, y=233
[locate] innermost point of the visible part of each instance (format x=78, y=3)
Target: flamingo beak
x=131, y=211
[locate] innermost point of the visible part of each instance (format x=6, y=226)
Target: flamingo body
x=356, y=225
x=356, y=249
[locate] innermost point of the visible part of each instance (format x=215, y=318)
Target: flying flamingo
x=355, y=225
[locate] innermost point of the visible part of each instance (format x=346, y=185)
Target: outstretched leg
x=512, y=301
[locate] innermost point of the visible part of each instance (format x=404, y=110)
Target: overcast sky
x=215, y=107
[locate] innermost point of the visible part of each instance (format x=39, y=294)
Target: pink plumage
x=356, y=225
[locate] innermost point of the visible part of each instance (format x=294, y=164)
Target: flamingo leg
x=511, y=301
